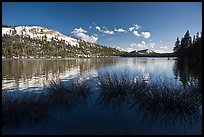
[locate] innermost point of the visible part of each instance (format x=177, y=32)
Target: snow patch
x=39, y=32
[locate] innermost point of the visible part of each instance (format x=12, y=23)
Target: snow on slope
x=38, y=32
x=150, y=51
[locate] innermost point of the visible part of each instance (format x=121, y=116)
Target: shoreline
x=72, y=58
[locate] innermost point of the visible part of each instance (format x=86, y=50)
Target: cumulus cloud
x=143, y=43
x=151, y=45
x=163, y=47
x=134, y=27
x=81, y=33
x=141, y=46
x=133, y=44
x=131, y=28
x=108, y=32
x=104, y=30
x=120, y=30
x=137, y=26
x=98, y=28
x=80, y=30
x=162, y=51
x=146, y=35
x=136, y=33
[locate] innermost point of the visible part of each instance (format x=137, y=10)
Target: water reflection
x=22, y=74
x=19, y=107
x=157, y=102
x=188, y=73
x=162, y=102
x=34, y=108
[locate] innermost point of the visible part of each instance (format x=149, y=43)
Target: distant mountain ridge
x=144, y=51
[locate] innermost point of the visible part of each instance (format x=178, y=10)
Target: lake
x=100, y=114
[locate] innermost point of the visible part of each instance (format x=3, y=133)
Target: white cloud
x=134, y=27
x=162, y=51
x=163, y=47
x=108, y=32
x=137, y=26
x=141, y=46
x=143, y=43
x=146, y=35
x=81, y=33
x=98, y=28
x=160, y=41
x=136, y=33
x=133, y=44
x=120, y=30
x=131, y=28
x=90, y=27
x=151, y=45
x=104, y=30
x=80, y=30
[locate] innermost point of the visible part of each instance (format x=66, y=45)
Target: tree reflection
x=36, y=72
x=188, y=72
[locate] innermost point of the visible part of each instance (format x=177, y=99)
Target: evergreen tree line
x=188, y=48
x=24, y=46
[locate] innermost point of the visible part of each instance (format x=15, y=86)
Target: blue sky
x=128, y=25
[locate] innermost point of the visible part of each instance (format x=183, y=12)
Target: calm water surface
x=95, y=117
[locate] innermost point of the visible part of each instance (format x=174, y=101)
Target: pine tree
x=177, y=45
x=194, y=40
x=197, y=36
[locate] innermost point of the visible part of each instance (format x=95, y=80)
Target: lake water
x=96, y=116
